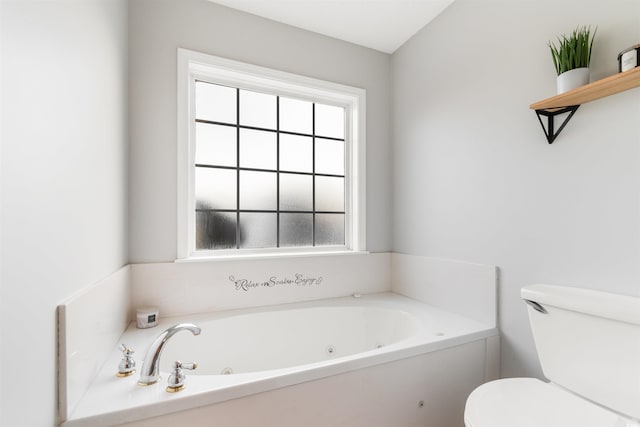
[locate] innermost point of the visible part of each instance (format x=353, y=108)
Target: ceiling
x=383, y=25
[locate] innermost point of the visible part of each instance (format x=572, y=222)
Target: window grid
x=313, y=171
x=277, y=171
x=286, y=132
x=201, y=165
x=238, y=237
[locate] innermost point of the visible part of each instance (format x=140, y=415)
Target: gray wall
x=157, y=29
x=474, y=178
x=64, y=180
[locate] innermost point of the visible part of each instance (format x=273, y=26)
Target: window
x=269, y=162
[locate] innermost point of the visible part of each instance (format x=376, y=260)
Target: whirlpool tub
x=380, y=359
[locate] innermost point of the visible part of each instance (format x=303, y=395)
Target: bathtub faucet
x=150, y=372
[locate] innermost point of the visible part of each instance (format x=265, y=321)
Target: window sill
x=266, y=256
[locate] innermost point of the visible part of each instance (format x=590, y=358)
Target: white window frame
x=194, y=65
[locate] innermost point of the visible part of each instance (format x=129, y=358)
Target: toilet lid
x=529, y=402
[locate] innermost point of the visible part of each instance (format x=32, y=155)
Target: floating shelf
x=569, y=102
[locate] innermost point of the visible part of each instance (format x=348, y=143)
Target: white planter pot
x=572, y=79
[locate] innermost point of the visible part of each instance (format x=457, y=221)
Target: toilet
x=588, y=343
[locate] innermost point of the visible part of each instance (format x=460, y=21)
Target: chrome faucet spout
x=150, y=372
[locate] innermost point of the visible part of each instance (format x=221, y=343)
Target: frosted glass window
x=329, y=194
x=258, y=149
x=265, y=170
x=258, y=230
x=296, y=116
x=329, y=156
x=215, y=188
x=296, y=153
x=215, y=103
x=215, y=145
x=296, y=192
x=215, y=230
x=296, y=229
x=329, y=229
x=257, y=109
x=329, y=121
x=258, y=190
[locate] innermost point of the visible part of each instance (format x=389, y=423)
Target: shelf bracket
x=550, y=115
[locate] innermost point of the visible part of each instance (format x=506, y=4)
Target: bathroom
x=457, y=166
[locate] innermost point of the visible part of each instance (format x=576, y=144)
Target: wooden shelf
x=568, y=102
x=596, y=90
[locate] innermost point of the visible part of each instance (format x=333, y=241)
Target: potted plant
x=571, y=58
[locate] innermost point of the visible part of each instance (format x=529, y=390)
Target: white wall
x=64, y=171
x=474, y=178
x=157, y=28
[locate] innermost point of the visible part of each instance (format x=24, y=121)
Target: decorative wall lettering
x=297, y=280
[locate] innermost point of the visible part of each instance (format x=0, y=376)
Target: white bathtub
x=286, y=337
x=284, y=346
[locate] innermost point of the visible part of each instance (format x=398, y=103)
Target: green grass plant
x=573, y=51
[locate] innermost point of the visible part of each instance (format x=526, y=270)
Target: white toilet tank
x=589, y=343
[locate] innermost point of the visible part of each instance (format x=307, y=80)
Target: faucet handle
x=127, y=365
x=190, y=366
x=126, y=351
x=176, y=379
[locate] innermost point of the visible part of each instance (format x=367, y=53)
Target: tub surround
x=465, y=288
x=179, y=288
x=469, y=289
x=111, y=401
x=91, y=323
x=377, y=397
